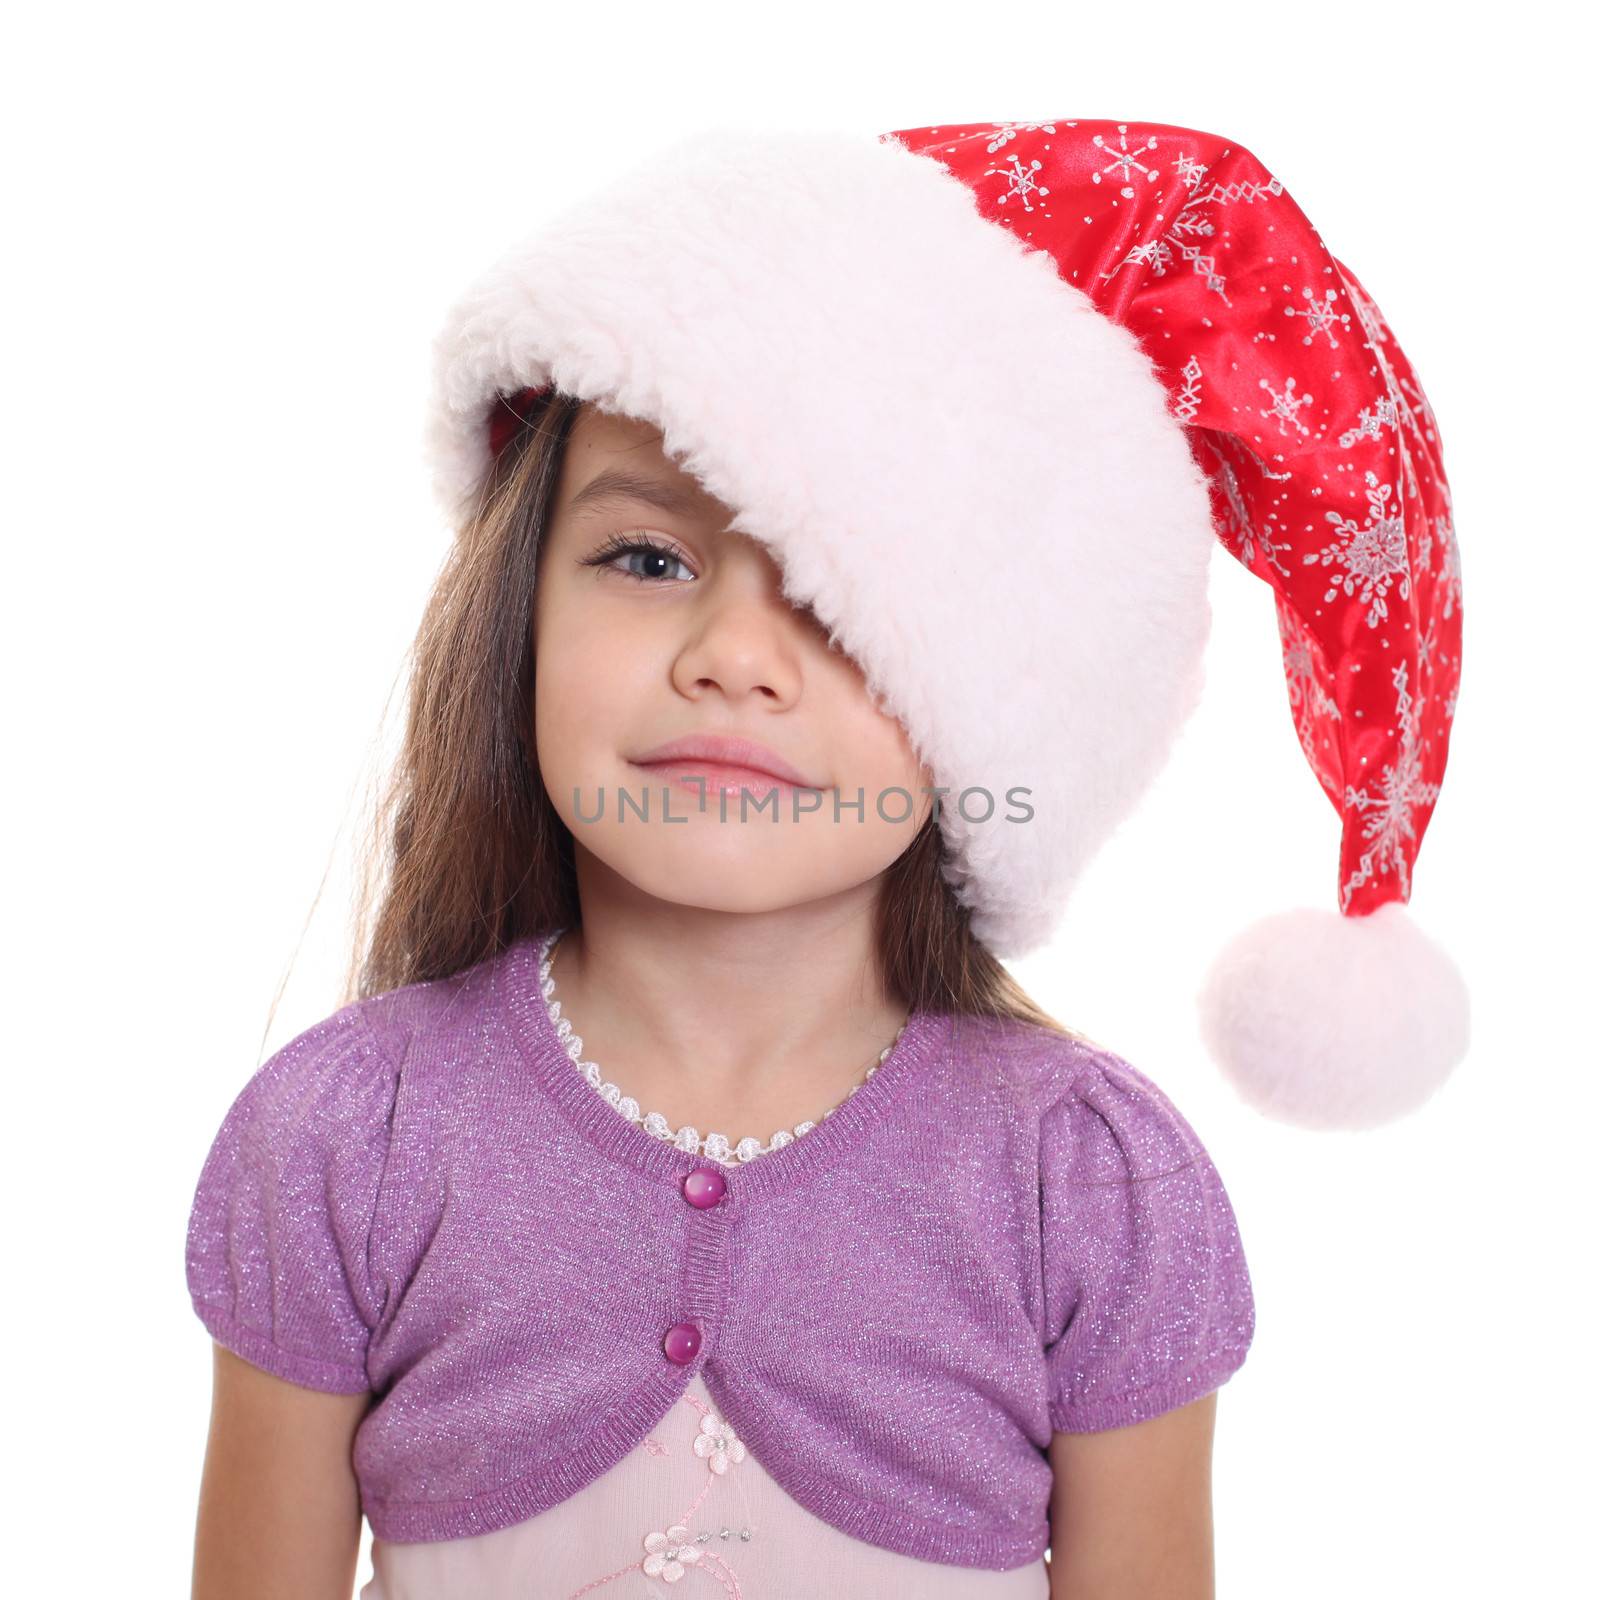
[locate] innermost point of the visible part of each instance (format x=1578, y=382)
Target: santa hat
x=991, y=395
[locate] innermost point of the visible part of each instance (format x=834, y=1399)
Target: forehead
x=611, y=458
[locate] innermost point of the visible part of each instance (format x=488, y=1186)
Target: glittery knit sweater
x=1001, y=1233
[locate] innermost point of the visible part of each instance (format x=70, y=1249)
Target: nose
x=744, y=638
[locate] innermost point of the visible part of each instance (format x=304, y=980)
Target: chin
x=713, y=882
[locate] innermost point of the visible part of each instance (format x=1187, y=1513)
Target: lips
x=739, y=756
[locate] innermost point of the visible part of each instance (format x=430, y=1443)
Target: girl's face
x=635, y=647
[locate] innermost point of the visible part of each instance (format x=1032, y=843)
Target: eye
x=620, y=546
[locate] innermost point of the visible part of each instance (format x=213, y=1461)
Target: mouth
x=722, y=762
x=715, y=777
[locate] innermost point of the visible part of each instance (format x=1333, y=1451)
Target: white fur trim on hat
x=967, y=470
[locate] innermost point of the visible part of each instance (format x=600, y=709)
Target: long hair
x=466, y=854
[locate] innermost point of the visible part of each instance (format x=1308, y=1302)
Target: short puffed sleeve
x=279, y=1252
x=1147, y=1296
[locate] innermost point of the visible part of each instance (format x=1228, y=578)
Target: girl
x=750, y=726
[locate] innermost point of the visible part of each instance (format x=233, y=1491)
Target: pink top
x=690, y=1504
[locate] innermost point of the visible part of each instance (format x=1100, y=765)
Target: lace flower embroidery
x=670, y=1553
x=717, y=1441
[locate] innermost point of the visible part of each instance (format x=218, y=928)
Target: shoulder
x=325, y=1090
x=1086, y=1100
x=1029, y=1063
x=1063, y=1080
x=1112, y=1116
x=422, y=1026
x=349, y=1073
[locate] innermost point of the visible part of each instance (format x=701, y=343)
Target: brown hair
x=473, y=855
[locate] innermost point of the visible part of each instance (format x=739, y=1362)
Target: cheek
x=582, y=684
x=878, y=756
x=902, y=760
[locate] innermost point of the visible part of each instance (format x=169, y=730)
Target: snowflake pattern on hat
x=1319, y=446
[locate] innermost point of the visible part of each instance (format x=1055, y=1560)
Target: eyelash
x=619, y=545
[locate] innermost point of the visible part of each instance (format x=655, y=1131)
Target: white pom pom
x=1331, y=1021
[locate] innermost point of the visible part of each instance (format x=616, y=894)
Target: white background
x=232, y=235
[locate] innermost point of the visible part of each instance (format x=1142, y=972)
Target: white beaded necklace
x=687, y=1138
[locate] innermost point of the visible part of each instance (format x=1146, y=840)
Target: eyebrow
x=617, y=483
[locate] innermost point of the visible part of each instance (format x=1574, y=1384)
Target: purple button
x=682, y=1343
x=704, y=1187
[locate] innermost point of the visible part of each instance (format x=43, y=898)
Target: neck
x=727, y=1004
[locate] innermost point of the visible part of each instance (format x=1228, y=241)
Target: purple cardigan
x=1002, y=1232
